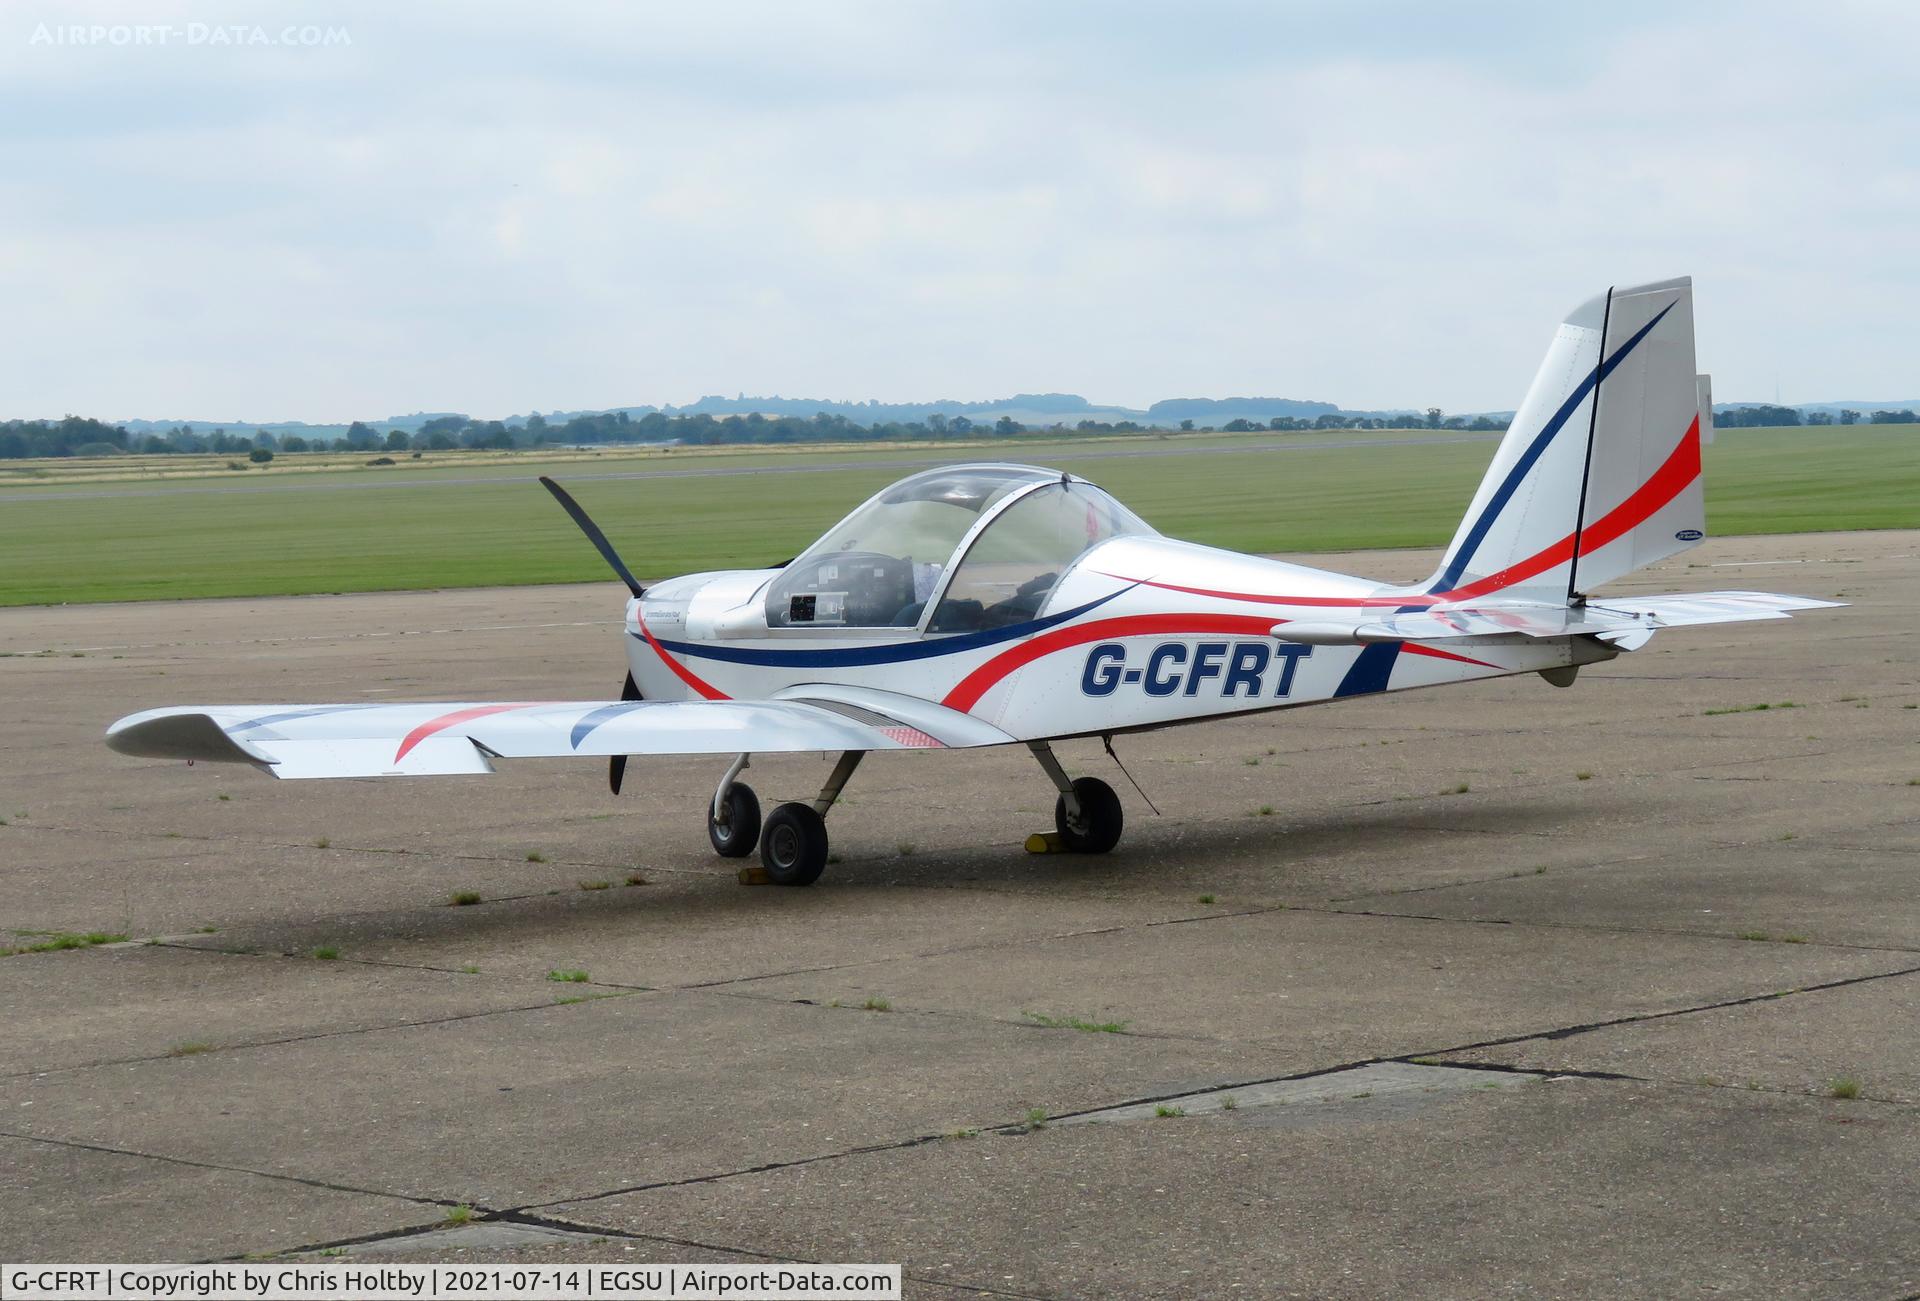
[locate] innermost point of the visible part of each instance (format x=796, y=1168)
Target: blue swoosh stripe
x=843, y=657
x=1372, y=669
x=267, y=719
x=1450, y=576
x=604, y=714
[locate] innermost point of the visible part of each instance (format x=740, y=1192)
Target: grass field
x=464, y=523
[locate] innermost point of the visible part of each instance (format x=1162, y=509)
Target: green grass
x=568, y=977
x=464, y=898
x=342, y=532
x=59, y=941
x=327, y=953
x=1167, y=1111
x=1076, y=1023
x=876, y=1005
x=1843, y=1087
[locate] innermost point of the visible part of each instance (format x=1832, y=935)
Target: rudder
x=1599, y=473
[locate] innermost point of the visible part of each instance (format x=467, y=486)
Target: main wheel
x=793, y=845
x=1097, y=829
x=736, y=837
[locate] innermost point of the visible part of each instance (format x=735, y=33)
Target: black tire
x=793, y=845
x=1100, y=818
x=742, y=831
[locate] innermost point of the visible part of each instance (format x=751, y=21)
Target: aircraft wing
x=417, y=740
x=1617, y=619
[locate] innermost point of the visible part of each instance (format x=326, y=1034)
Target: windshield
x=878, y=566
x=1012, y=567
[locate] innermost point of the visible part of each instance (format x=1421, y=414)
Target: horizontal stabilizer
x=1609, y=619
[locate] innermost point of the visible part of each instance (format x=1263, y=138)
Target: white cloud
x=495, y=209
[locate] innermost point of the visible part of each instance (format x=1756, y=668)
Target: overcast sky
x=494, y=209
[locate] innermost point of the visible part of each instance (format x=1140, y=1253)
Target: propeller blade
x=617, y=766
x=594, y=535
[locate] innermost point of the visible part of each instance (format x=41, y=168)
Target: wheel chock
x=1045, y=842
x=755, y=875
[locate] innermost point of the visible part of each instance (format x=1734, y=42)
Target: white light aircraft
x=980, y=605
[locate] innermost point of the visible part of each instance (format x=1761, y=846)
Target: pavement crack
x=291, y=1039
x=1568, y=1032
x=189, y=1163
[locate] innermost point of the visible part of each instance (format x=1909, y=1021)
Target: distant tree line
x=83, y=436
x=1765, y=415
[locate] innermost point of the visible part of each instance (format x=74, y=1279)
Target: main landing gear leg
x=1087, y=815
x=793, y=845
x=733, y=819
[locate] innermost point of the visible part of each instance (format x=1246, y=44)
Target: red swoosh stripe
x=977, y=683
x=1419, y=648
x=1680, y=469
x=442, y=723
x=681, y=671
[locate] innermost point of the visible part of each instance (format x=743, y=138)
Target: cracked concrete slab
x=1796, y=891
x=1321, y=989
x=541, y=1105
x=1803, y=1044
x=60, y=1202
x=1386, y=1088
x=90, y=1007
x=1571, y=1188
x=774, y=1129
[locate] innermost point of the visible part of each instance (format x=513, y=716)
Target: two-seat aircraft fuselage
x=981, y=605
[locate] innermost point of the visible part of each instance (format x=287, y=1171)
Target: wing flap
x=415, y=740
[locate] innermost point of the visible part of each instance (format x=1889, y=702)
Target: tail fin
x=1599, y=474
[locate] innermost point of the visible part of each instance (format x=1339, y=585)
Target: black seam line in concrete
x=358, y=1239
x=258, y=843
x=1484, y=880
x=1503, y=1068
x=185, y=944
x=1598, y=929
x=1015, y=1128
x=718, y=986
x=326, y=1185
x=1638, y=1018
x=1695, y=1082
x=583, y=1229
x=606, y=1231
x=251, y=1044
x=953, y=1015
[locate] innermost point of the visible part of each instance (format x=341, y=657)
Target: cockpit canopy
x=984, y=543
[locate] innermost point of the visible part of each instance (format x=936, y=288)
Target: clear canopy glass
x=1011, y=568
x=880, y=565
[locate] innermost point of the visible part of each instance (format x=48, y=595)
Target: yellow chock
x=755, y=876
x=1044, y=842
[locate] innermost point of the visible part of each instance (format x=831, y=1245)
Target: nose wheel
x=735, y=828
